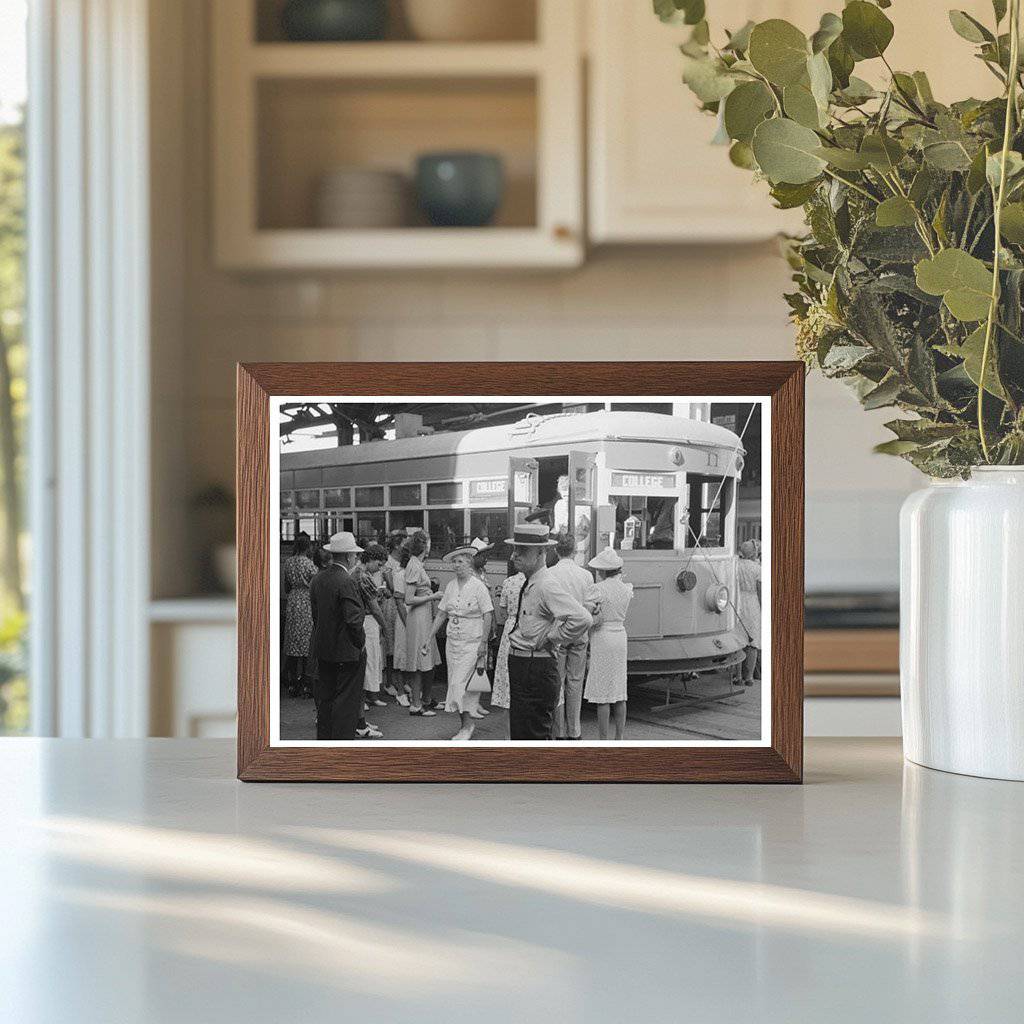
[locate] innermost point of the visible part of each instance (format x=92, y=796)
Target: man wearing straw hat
x=546, y=617
x=339, y=641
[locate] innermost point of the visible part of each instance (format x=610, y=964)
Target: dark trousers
x=339, y=698
x=533, y=694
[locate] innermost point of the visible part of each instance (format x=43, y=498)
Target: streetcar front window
x=708, y=501
x=644, y=522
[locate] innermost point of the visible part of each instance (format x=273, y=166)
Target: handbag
x=478, y=681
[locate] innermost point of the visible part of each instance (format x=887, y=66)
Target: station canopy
x=352, y=422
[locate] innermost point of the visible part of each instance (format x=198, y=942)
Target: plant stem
x=853, y=185
x=1011, y=108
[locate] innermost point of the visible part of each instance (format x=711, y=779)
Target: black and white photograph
x=516, y=570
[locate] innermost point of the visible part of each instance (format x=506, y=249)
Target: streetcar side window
x=708, y=501
x=644, y=522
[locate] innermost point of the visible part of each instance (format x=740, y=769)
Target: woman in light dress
x=393, y=606
x=467, y=608
x=298, y=573
x=608, y=602
x=748, y=582
x=419, y=603
x=507, y=601
x=371, y=584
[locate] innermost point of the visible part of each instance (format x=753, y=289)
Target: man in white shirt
x=546, y=618
x=560, y=521
x=571, y=658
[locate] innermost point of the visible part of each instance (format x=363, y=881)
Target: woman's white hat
x=343, y=543
x=607, y=559
x=531, y=535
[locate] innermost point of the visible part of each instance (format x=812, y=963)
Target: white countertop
x=140, y=882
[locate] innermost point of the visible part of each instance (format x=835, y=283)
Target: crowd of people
x=365, y=624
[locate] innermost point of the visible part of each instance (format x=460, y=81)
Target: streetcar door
x=582, y=502
x=523, y=480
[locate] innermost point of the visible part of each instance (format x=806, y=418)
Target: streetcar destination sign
x=481, y=491
x=647, y=481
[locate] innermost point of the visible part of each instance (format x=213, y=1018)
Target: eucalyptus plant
x=910, y=277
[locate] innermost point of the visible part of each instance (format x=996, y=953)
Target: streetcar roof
x=558, y=429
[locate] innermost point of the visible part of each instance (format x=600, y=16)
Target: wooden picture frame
x=779, y=759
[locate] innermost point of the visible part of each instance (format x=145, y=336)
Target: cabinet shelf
x=286, y=115
x=393, y=60
x=404, y=248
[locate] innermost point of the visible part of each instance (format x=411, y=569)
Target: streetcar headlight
x=717, y=598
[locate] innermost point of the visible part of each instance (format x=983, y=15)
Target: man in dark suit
x=339, y=641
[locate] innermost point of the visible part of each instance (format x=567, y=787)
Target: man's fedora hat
x=531, y=535
x=343, y=544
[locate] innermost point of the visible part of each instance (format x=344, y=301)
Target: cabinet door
x=654, y=176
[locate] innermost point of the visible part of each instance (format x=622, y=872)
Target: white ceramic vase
x=962, y=624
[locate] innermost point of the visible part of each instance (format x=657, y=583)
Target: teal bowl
x=462, y=190
x=334, y=21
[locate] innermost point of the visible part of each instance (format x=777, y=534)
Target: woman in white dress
x=748, y=582
x=467, y=608
x=393, y=607
x=419, y=604
x=507, y=601
x=606, y=676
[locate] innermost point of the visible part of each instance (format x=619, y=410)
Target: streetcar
x=660, y=489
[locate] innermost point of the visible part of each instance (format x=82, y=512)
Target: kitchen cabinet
x=287, y=114
x=654, y=177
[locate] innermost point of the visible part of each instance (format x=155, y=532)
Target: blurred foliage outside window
x=14, y=693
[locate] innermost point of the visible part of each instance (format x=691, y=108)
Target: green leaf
x=788, y=196
x=857, y=91
x=976, y=174
x=963, y=281
x=882, y=151
x=866, y=29
x=844, y=159
x=819, y=74
x=801, y=106
x=922, y=185
x=924, y=88
x=787, y=151
x=745, y=108
x=971, y=352
x=895, y=447
x=947, y=156
x=840, y=61
x=885, y=394
x=741, y=155
x=829, y=30
x=895, y=212
x=993, y=166
x=923, y=431
x=707, y=78
x=690, y=12
x=969, y=28
x=1012, y=224
x=739, y=41
x=779, y=51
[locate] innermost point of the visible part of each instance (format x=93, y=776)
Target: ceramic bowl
x=460, y=189
x=470, y=20
x=332, y=21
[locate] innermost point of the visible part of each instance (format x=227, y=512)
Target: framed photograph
x=564, y=572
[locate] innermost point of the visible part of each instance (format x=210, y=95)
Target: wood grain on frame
x=780, y=762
